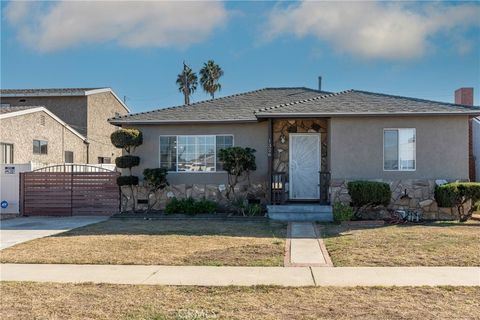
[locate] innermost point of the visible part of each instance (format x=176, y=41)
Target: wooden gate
x=69, y=190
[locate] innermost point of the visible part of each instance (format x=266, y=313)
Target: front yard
x=160, y=242
x=90, y=301
x=433, y=244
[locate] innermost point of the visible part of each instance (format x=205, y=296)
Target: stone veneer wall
x=420, y=197
x=212, y=192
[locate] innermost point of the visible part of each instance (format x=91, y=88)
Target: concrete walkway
x=243, y=276
x=305, y=248
x=24, y=229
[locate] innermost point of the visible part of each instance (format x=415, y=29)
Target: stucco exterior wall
x=101, y=107
x=441, y=147
x=22, y=130
x=253, y=135
x=476, y=146
x=72, y=110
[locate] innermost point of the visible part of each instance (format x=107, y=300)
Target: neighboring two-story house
x=85, y=110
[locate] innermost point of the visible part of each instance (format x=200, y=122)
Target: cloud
x=47, y=26
x=373, y=29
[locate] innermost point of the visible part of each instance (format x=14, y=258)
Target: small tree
x=156, y=179
x=367, y=194
x=128, y=140
x=238, y=162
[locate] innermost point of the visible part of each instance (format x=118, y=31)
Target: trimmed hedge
x=127, y=181
x=456, y=194
x=127, y=161
x=125, y=138
x=369, y=193
x=190, y=206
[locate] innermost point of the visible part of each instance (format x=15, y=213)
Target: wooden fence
x=69, y=193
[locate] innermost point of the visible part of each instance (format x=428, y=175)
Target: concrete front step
x=300, y=212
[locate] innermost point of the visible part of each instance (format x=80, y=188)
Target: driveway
x=24, y=229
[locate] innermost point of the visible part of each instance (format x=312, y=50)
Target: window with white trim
x=399, y=149
x=193, y=153
x=6, y=153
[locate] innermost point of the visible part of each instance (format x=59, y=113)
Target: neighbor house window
x=196, y=153
x=104, y=160
x=40, y=147
x=6, y=153
x=68, y=156
x=399, y=149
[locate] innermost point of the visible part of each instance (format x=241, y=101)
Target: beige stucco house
x=309, y=145
x=35, y=134
x=86, y=110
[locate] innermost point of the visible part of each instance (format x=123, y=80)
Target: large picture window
x=195, y=153
x=399, y=149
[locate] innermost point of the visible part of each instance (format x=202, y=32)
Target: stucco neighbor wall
x=22, y=130
x=72, y=110
x=101, y=107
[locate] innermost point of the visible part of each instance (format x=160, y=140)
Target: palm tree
x=187, y=82
x=210, y=74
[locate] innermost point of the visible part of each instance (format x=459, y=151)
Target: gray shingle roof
x=4, y=110
x=238, y=107
x=46, y=92
x=271, y=102
x=357, y=102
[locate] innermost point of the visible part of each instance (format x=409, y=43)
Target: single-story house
x=309, y=144
x=35, y=134
x=86, y=110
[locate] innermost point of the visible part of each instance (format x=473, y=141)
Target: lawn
x=171, y=242
x=434, y=244
x=90, y=301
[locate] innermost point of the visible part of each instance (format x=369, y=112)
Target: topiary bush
x=342, y=212
x=366, y=194
x=190, y=206
x=155, y=179
x=127, y=161
x=457, y=194
x=127, y=139
x=127, y=181
x=237, y=161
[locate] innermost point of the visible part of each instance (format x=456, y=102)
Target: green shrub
x=127, y=181
x=241, y=206
x=190, y=206
x=457, y=194
x=126, y=138
x=127, y=161
x=369, y=193
x=156, y=178
x=342, y=212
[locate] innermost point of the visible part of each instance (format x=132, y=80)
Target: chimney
x=319, y=83
x=464, y=96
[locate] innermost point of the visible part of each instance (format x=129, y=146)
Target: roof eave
x=139, y=122
x=349, y=114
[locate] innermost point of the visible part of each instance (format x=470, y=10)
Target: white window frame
x=398, y=151
x=193, y=135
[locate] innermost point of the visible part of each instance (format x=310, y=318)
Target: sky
x=418, y=49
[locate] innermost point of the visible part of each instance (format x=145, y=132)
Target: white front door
x=304, y=166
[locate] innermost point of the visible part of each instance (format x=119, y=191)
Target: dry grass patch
x=435, y=244
x=180, y=242
x=89, y=301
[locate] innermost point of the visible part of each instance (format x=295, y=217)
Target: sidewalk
x=305, y=247
x=243, y=276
